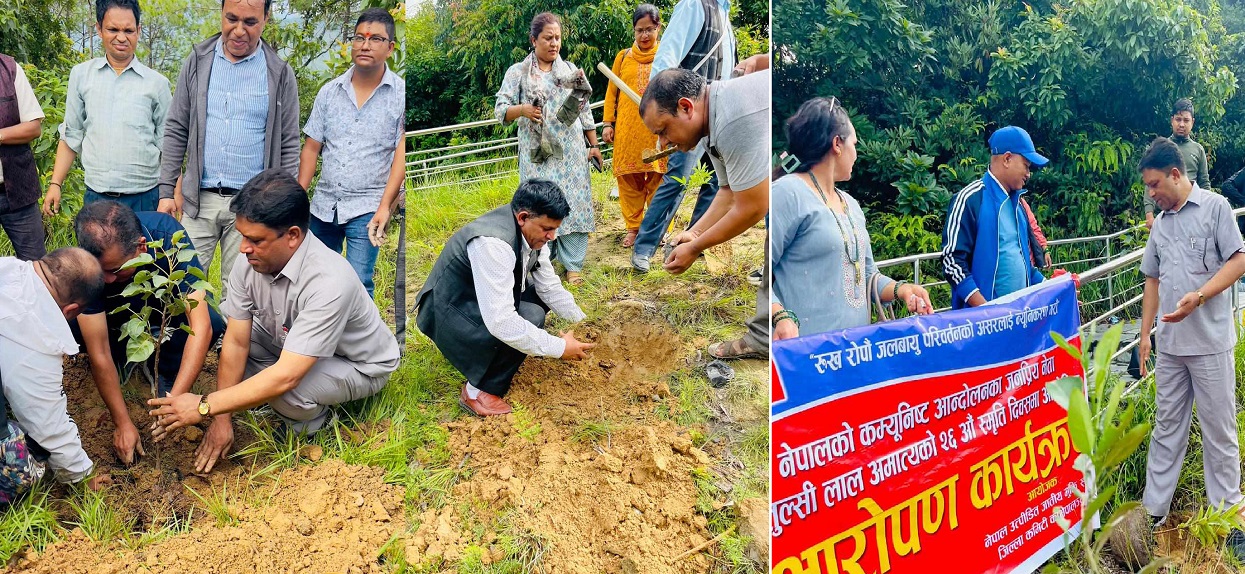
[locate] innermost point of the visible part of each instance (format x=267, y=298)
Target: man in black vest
x=485, y=301
x=20, y=122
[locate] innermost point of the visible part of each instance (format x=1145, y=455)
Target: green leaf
x=142, y=276
x=202, y=286
x=198, y=273
x=159, y=281
x=1099, y=502
x=1106, y=347
x=120, y=309
x=1079, y=423
x=1060, y=390
x=138, y=350
x=1126, y=446
x=185, y=255
x=177, y=276
x=1066, y=346
x=179, y=235
x=187, y=329
x=133, y=289
x=134, y=328
x=144, y=259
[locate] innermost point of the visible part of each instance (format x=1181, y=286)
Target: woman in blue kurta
x=549, y=98
x=822, y=260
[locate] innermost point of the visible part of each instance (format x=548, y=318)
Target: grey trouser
x=1210, y=382
x=758, y=336
x=331, y=381
x=214, y=225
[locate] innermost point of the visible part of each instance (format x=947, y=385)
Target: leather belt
x=222, y=191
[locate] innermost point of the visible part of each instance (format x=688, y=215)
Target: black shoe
x=1236, y=544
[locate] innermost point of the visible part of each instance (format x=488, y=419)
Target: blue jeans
x=668, y=197
x=359, y=249
x=145, y=201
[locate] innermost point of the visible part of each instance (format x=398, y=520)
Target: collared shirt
x=1186, y=248
x=739, y=117
x=34, y=338
x=678, y=35
x=237, y=117
x=315, y=306
x=115, y=123
x=358, y=145
x=155, y=227
x=28, y=109
x=492, y=264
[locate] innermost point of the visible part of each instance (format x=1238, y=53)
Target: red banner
x=958, y=469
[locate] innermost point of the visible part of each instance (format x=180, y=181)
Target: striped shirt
x=115, y=123
x=358, y=145
x=237, y=115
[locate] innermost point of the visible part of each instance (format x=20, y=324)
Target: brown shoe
x=483, y=406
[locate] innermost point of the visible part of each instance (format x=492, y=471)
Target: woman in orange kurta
x=637, y=181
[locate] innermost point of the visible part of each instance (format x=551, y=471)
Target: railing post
x=916, y=272
x=1110, y=278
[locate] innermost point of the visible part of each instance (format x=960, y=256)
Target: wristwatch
x=1201, y=299
x=204, y=408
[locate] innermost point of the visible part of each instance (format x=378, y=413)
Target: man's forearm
x=307, y=162
x=742, y=215
x=1232, y=270
x=264, y=386
x=718, y=208
x=1149, y=305
x=108, y=383
x=196, y=349
x=233, y=357
x=64, y=160
x=22, y=133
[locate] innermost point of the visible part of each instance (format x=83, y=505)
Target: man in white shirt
x=485, y=301
x=37, y=300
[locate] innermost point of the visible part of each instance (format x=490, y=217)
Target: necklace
x=855, y=260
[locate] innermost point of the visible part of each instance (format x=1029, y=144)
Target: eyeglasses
x=646, y=31
x=376, y=41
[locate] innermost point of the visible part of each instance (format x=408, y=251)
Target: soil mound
x=585, y=471
x=330, y=517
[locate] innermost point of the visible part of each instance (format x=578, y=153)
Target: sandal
x=574, y=278
x=737, y=349
x=629, y=240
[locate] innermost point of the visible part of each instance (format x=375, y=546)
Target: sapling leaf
x=1123, y=448
x=1079, y=423
x=143, y=259
x=187, y=329
x=159, y=281
x=132, y=289
x=197, y=273
x=1061, y=389
x=185, y=255
x=177, y=275
x=138, y=350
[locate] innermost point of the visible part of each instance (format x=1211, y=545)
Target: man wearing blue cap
x=985, y=245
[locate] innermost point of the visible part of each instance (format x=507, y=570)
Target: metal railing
x=423, y=172
x=1113, y=265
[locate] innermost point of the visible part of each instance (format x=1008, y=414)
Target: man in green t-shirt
x=1193, y=153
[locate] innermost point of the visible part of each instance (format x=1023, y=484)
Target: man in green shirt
x=1193, y=153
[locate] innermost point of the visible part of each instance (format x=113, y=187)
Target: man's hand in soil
x=98, y=481
x=125, y=441
x=216, y=444
x=683, y=255
x=575, y=350
x=172, y=413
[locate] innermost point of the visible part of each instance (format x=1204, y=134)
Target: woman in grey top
x=822, y=260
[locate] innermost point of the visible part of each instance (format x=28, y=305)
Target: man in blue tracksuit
x=985, y=244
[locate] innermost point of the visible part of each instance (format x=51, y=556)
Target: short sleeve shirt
x=155, y=227
x=315, y=306
x=739, y=126
x=1186, y=248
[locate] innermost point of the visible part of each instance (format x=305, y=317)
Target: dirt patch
x=151, y=492
x=330, y=517
x=622, y=499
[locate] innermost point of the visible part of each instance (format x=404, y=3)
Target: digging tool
x=651, y=155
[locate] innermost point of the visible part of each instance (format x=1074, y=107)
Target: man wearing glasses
x=356, y=125
x=234, y=114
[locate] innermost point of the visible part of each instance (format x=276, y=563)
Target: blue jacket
x=970, y=242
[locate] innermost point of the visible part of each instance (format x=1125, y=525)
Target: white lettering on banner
x=901, y=460
x=968, y=398
x=995, y=537
x=967, y=430
x=935, y=337
x=904, y=419
x=897, y=346
x=1022, y=376
x=1011, y=547
x=992, y=420
x=858, y=354
x=1021, y=407
x=815, y=454
x=1048, y=365
x=832, y=360
x=842, y=487
x=996, y=325
x=802, y=504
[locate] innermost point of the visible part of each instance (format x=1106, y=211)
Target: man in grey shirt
x=732, y=117
x=234, y=114
x=115, y=109
x=302, y=332
x=1193, y=254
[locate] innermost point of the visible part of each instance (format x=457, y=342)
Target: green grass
x=28, y=523
x=98, y=520
x=217, y=504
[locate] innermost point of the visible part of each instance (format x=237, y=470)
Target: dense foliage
x=460, y=49
x=1092, y=80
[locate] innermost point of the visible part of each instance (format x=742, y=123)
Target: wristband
x=785, y=314
x=895, y=290
x=56, y=184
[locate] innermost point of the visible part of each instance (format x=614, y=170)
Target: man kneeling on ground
x=485, y=301
x=37, y=298
x=115, y=234
x=302, y=334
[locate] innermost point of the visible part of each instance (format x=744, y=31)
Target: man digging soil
x=302, y=334
x=485, y=301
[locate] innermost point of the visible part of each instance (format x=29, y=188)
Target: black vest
x=704, y=45
x=21, y=181
x=448, y=308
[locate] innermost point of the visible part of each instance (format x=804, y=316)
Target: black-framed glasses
x=376, y=41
